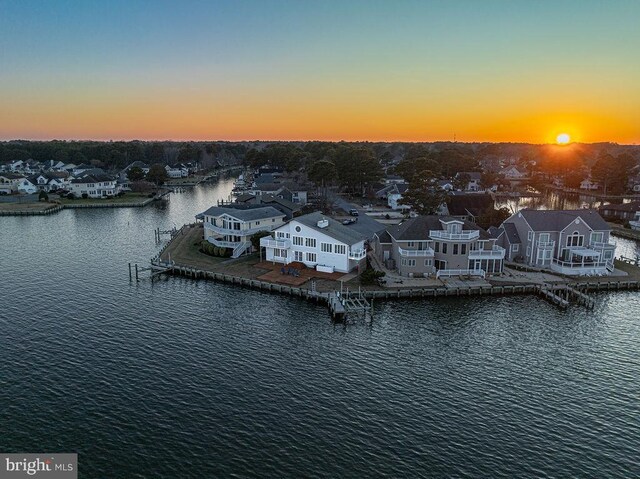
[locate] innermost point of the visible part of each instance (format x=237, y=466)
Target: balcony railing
x=497, y=252
x=223, y=244
x=546, y=244
x=357, y=254
x=269, y=242
x=241, y=232
x=444, y=235
x=570, y=268
x=416, y=252
x=603, y=245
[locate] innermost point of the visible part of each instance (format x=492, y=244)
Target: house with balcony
x=571, y=242
x=232, y=228
x=94, y=186
x=317, y=241
x=438, y=246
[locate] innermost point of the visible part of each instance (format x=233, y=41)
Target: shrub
x=71, y=196
x=85, y=196
x=43, y=196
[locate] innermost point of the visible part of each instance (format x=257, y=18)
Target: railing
x=602, y=245
x=242, y=232
x=496, y=252
x=241, y=248
x=546, y=244
x=269, y=242
x=460, y=272
x=416, y=252
x=466, y=235
x=223, y=244
x=357, y=254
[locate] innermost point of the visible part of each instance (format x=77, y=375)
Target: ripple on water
x=186, y=379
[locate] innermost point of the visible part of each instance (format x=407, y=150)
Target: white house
x=318, y=242
x=513, y=172
x=588, y=184
x=49, y=181
x=177, y=171
x=232, y=227
x=94, y=186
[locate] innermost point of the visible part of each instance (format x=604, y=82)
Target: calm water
x=195, y=379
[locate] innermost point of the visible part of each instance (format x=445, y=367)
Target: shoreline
x=180, y=256
x=42, y=208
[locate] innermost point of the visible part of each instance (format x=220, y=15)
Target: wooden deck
x=274, y=273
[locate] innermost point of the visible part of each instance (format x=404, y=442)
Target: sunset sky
x=326, y=70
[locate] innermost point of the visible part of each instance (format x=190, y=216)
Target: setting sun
x=563, y=139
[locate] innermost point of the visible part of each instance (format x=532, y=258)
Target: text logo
x=45, y=466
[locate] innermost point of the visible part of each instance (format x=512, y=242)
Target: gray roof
x=246, y=213
x=417, y=229
x=383, y=237
x=512, y=233
x=557, y=220
x=335, y=229
x=94, y=178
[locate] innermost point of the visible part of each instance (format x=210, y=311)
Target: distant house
x=571, y=242
x=589, y=184
x=11, y=182
x=177, y=171
x=513, y=172
x=446, y=185
x=94, y=186
x=438, y=245
x=394, y=198
x=391, y=179
x=50, y=181
x=467, y=206
x=620, y=212
x=474, y=180
x=287, y=207
x=228, y=227
x=318, y=242
x=25, y=186
x=81, y=169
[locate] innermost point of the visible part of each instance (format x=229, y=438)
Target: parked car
x=353, y=212
x=349, y=221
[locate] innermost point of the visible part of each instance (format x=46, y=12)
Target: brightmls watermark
x=45, y=466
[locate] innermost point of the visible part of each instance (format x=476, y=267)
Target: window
x=257, y=223
x=408, y=262
x=297, y=255
x=310, y=242
x=281, y=253
x=608, y=254
x=326, y=247
x=437, y=250
x=340, y=249
x=529, y=235
x=575, y=239
x=298, y=229
x=515, y=248
x=428, y=262
x=455, y=248
x=297, y=240
x=411, y=244
x=311, y=257
x=280, y=234
x=444, y=248
x=597, y=237
x=463, y=248
x=543, y=237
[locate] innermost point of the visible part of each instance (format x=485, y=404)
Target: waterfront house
x=513, y=172
x=572, y=242
x=620, y=212
x=589, y=184
x=438, y=245
x=50, y=181
x=177, y=171
x=287, y=207
x=94, y=186
x=317, y=241
x=11, y=183
x=232, y=227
